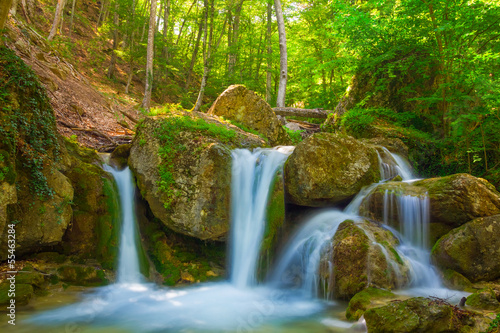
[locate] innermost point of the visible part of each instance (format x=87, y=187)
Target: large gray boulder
x=245, y=107
x=183, y=167
x=471, y=250
x=327, y=169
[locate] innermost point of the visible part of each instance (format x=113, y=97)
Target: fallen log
x=305, y=113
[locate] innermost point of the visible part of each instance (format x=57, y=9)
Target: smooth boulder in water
x=328, y=169
x=471, y=250
x=362, y=255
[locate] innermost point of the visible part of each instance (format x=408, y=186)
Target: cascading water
x=235, y=305
x=252, y=177
x=128, y=260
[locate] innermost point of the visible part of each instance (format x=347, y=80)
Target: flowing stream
x=240, y=304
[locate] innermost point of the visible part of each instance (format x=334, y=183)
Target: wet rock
x=23, y=294
x=362, y=255
x=471, y=250
x=484, y=299
x=82, y=275
x=367, y=299
x=245, y=107
x=394, y=145
x=119, y=156
x=453, y=201
x=327, y=169
x=420, y=315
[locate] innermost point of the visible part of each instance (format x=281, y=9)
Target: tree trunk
x=72, y=17
x=111, y=69
x=269, y=52
x=57, y=19
x=234, y=36
x=149, y=57
x=280, y=101
x=4, y=12
x=306, y=113
x=184, y=23
x=195, y=52
x=206, y=50
x=13, y=8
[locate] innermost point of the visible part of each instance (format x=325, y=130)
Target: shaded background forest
x=425, y=71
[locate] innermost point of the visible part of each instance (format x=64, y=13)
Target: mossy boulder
x=178, y=258
x=362, y=255
x=484, y=299
x=367, y=299
x=23, y=294
x=471, y=250
x=455, y=280
x=327, y=169
x=245, y=107
x=8, y=196
x=119, y=156
x=275, y=218
x=419, y=315
x=459, y=198
x=453, y=201
x=183, y=167
x=42, y=221
x=80, y=275
x=94, y=232
x=394, y=145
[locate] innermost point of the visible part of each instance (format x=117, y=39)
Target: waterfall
x=128, y=260
x=412, y=227
x=252, y=177
x=392, y=164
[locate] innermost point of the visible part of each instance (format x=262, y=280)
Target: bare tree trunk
x=184, y=23
x=269, y=52
x=280, y=101
x=57, y=19
x=13, y=7
x=111, y=69
x=4, y=12
x=72, y=17
x=149, y=62
x=207, y=51
x=166, y=18
x=195, y=53
x=233, y=48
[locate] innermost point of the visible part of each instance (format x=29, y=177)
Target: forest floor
x=87, y=104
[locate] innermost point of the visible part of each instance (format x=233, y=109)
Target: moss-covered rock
x=367, y=299
x=362, y=255
x=326, y=169
x=455, y=280
x=94, y=232
x=179, y=258
x=275, y=218
x=82, y=275
x=484, y=299
x=419, y=315
x=119, y=156
x=239, y=104
x=453, y=201
x=472, y=249
x=183, y=167
x=459, y=198
x=23, y=293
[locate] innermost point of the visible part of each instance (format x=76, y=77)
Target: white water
x=128, y=260
x=252, y=177
x=236, y=305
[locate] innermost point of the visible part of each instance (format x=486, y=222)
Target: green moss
x=82, y=275
x=108, y=226
x=27, y=123
x=362, y=301
x=24, y=292
x=173, y=254
x=172, y=146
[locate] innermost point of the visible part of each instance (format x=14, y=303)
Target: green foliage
x=294, y=135
x=172, y=145
x=495, y=323
x=27, y=122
